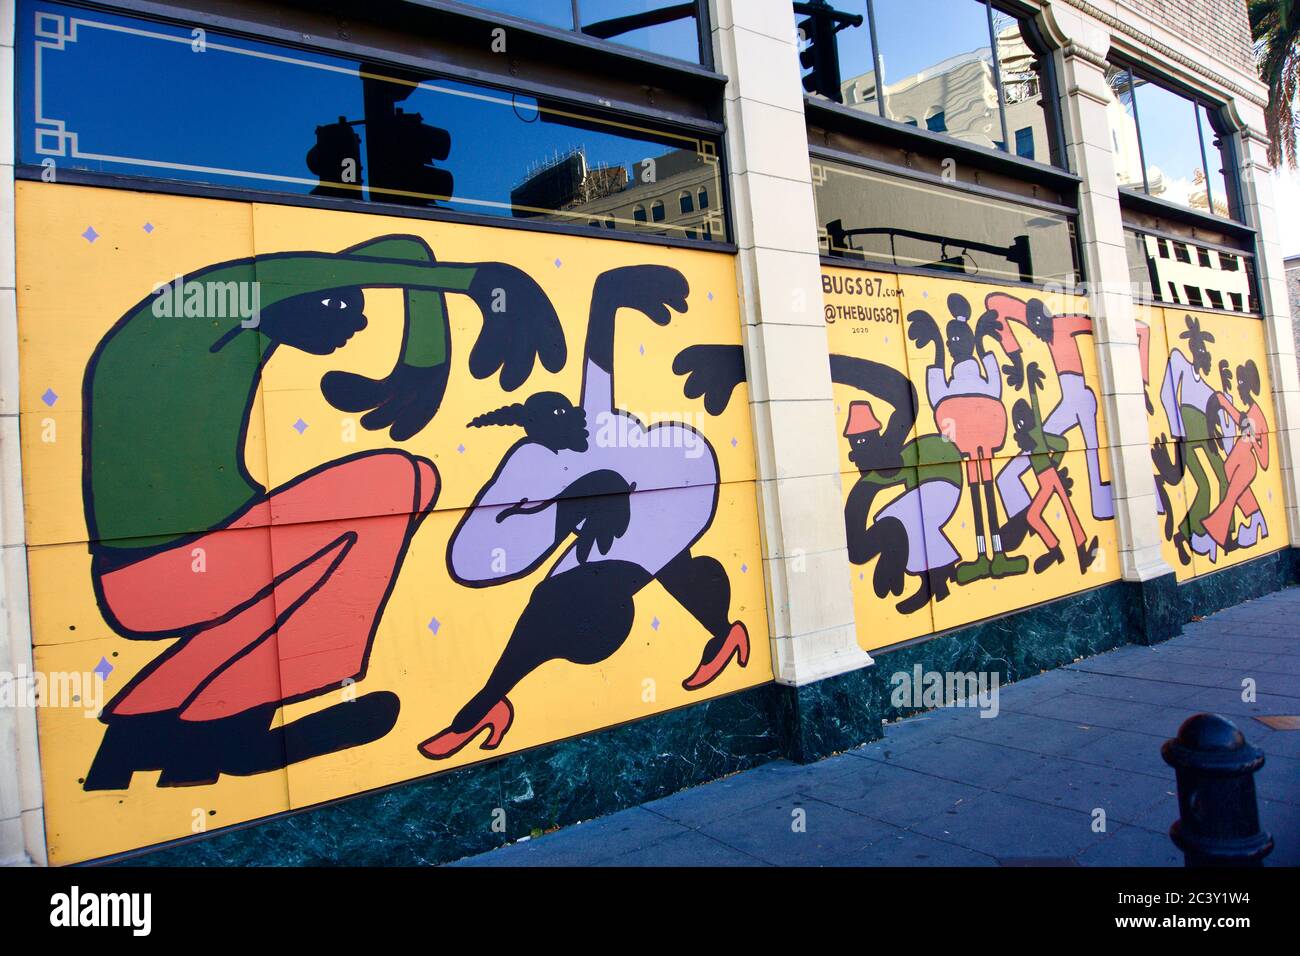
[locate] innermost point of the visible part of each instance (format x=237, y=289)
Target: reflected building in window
x=959, y=96
x=676, y=192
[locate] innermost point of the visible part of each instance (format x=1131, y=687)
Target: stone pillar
x=22, y=824
x=810, y=602
x=1085, y=96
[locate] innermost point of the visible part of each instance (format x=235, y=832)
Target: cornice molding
x=1164, y=50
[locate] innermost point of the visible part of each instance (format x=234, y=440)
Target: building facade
x=429, y=426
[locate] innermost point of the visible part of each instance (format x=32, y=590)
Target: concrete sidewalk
x=949, y=788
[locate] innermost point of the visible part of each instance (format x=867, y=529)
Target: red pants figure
x=272, y=614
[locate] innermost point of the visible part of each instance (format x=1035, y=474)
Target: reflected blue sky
x=153, y=98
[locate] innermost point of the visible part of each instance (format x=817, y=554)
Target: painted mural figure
x=1078, y=405
x=907, y=535
x=1189, y=402
x=635, y=499
x=1166, y=455
x=255, y=610
x=1045, y=452
x=1247, y=455
x=967, y=404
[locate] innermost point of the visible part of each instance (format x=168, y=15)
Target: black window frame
x=626, y=61
x=827, y=154
x=1244, y=255
x=704, y=31
x=1220, y=127
x=1038, y=44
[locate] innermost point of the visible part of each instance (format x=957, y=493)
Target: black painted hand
x=651, y=290
x=597, y=508
x=403, y=402
x=712, y=372
x=315, y=322
x=922, y=329
x=1035, y=376
x=519, y=326
x=1015, y=371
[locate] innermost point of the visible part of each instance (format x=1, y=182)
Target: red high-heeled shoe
x=447, y=743
x=737, y=643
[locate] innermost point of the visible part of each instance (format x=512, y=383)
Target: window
x=666, y=27
x=704, y=199
x=970, y=69
x=657, y=210
x=1170, y=145
x=1025, y=142
x=638, y=213
x=908, y=223
x=686, y=203
x=1216, y=277
x=335, y=128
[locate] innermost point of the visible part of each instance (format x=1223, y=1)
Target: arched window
x=687, y=202
x=638, y=213
x=704, y=199
x=657, y=210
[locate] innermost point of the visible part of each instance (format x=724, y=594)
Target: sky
x=1286, y=199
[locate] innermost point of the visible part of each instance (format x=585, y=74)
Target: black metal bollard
x=1218, y=818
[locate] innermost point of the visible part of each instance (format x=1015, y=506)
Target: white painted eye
x=342, y=304
x=325, y=302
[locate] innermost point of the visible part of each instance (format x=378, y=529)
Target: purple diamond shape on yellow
x=90, y=235
x=300, y=426
x=734, y=443
x=558, y=263
x=655, y=624
x=461, y=449
x=50, y=397
x=103, y=668
x=710, y=296
x=434, y=624
x=744, y=569
x=148, y=227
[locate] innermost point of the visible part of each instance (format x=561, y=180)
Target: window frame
x=1194, y=243
x=1227, y=135
x=828, y=154
x=1038, y=44
x=703, y=31
x=228, y=23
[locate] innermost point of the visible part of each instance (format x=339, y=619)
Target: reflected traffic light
x=821, y=56
x=336, y=160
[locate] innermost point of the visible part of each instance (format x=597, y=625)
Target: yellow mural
x=332, y=501
x=1212, y=421
x=973, y=449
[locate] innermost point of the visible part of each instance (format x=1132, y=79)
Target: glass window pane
x=394, y=136
x=1217, y=155
x=1126, y=151
x=666, y=27
x=896, y=221
x=1171, y=147
x=935, y=59
x=1190, y=275
x=555, y=13
x=1025, y=90
x=847, y=75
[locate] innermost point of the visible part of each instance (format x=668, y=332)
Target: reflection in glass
x=905, y=223
x=1168, y=145
x=666, y=27
x=1178, y=272
x=939, y=76
x=854, y=80
x=338, y=128
x=555, y=13
x=1171, y=145
x=1025, y=90
x=1125, y=148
